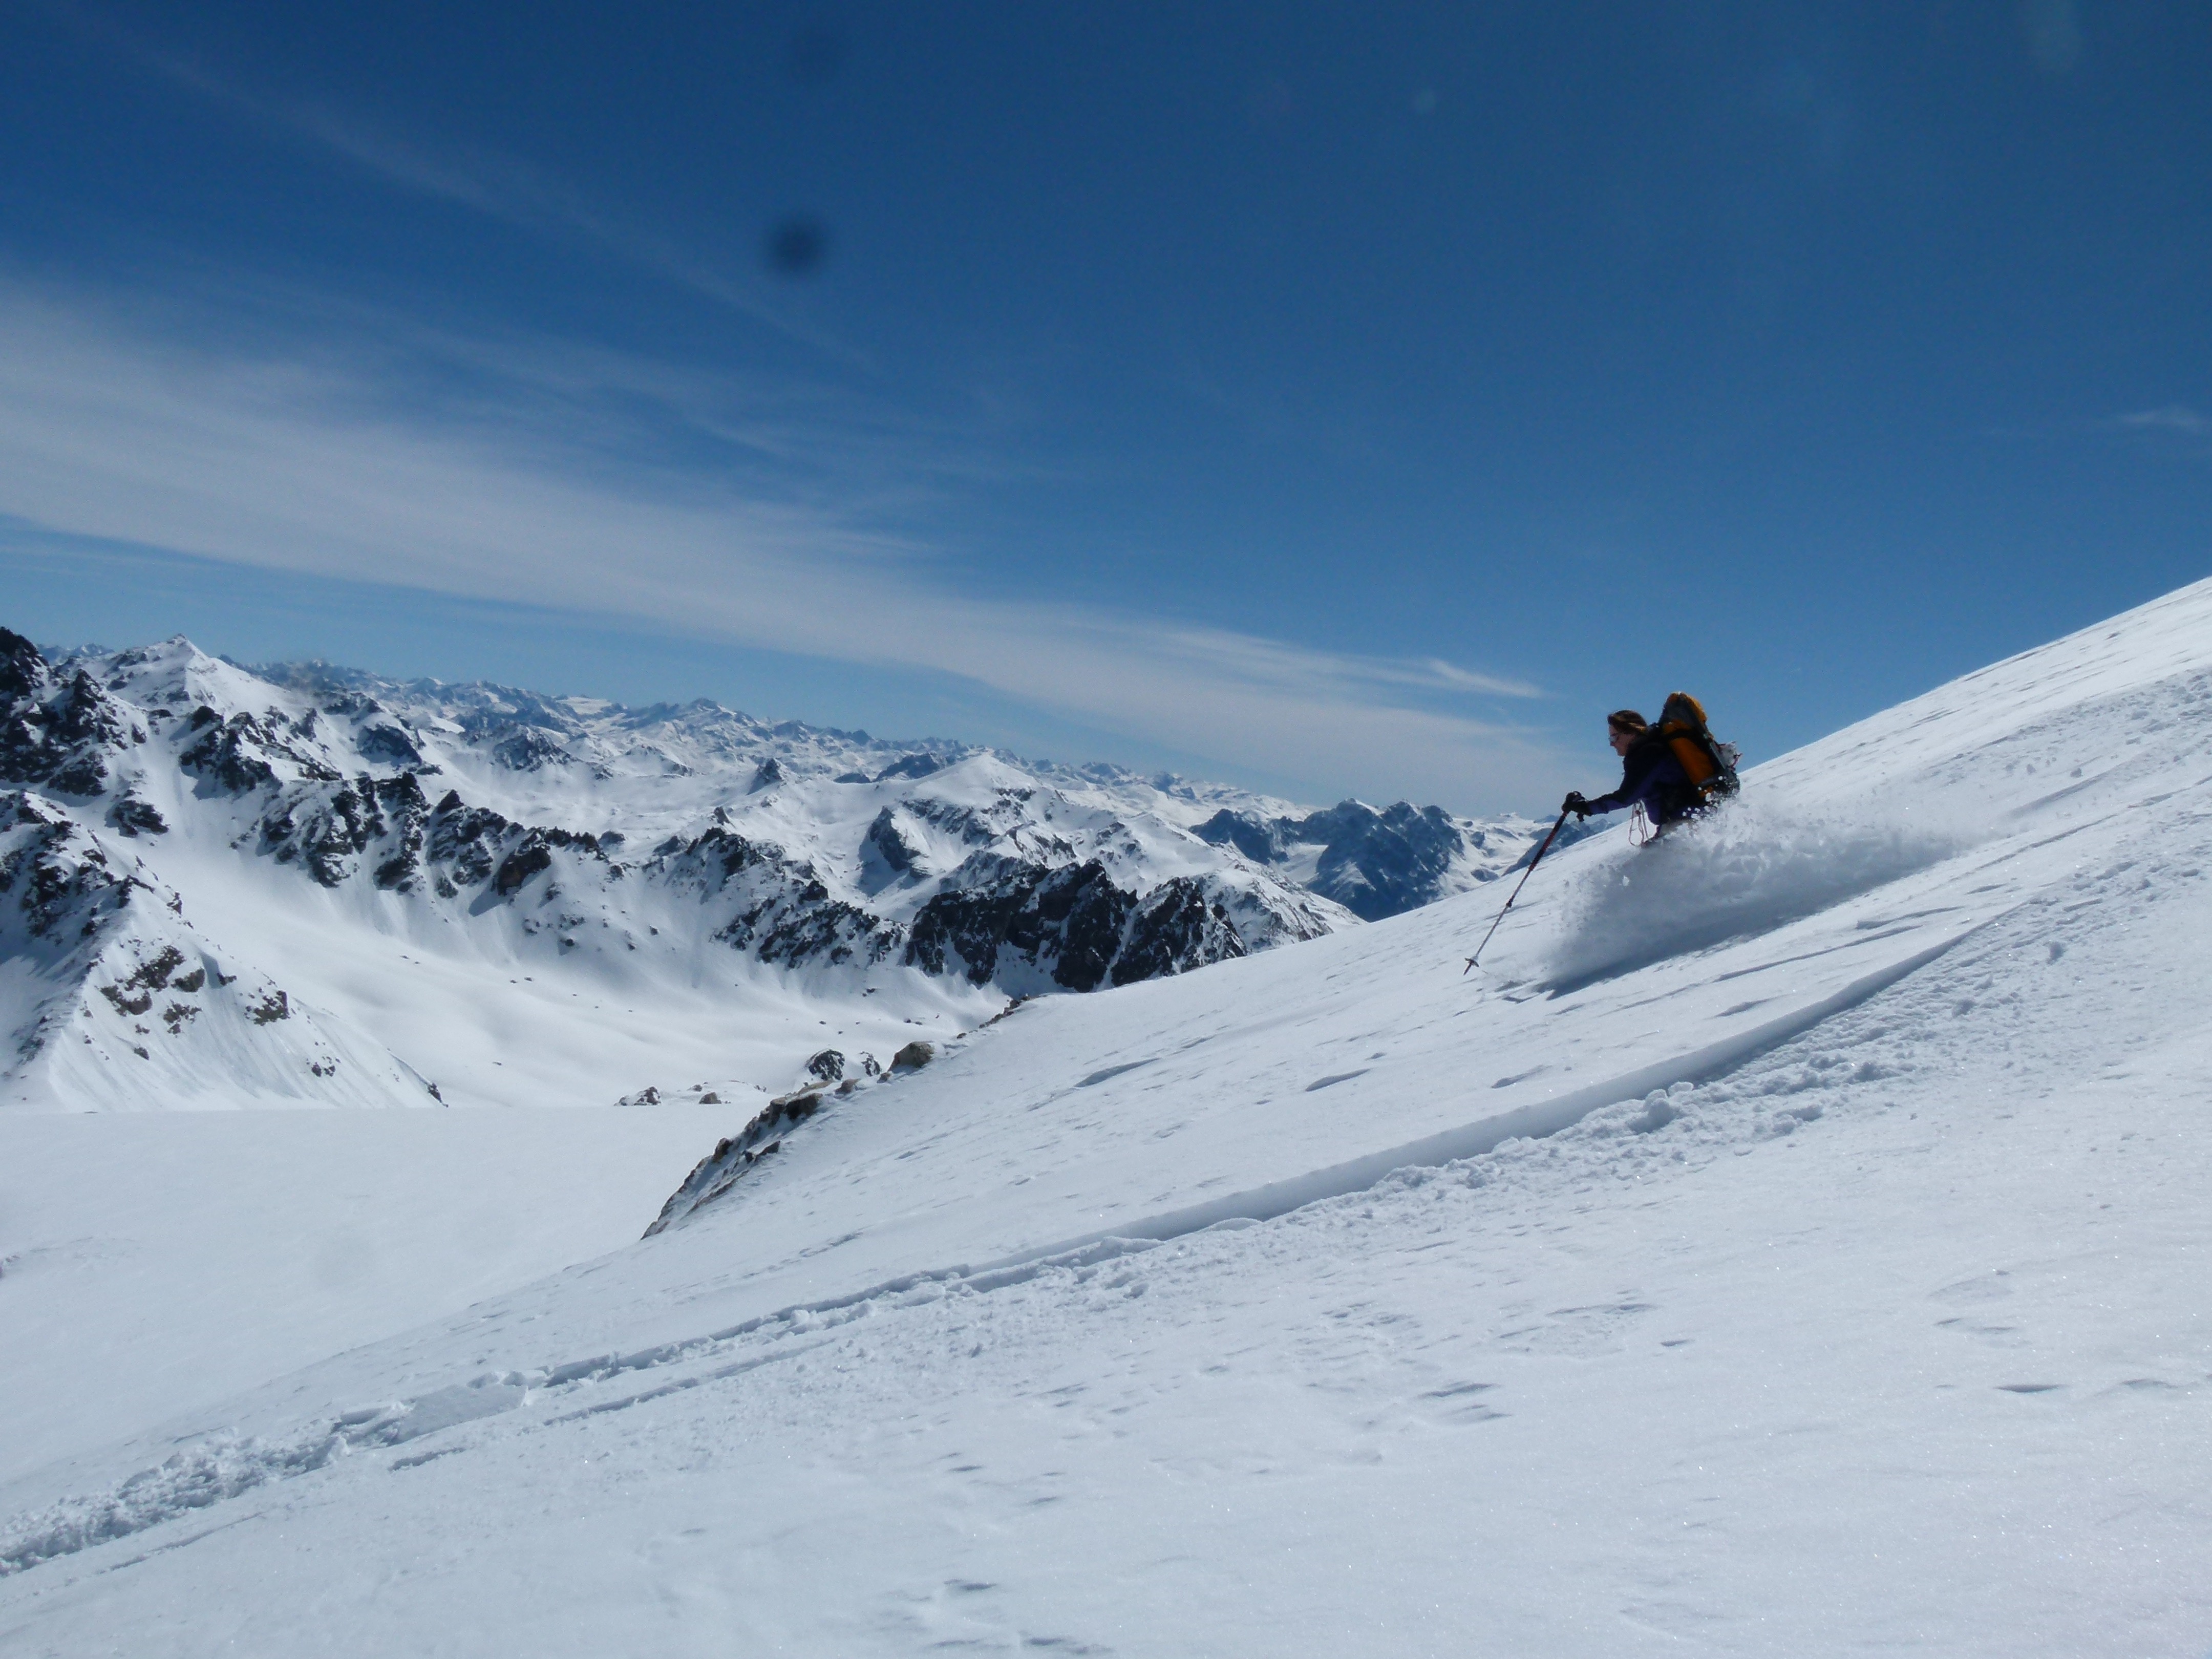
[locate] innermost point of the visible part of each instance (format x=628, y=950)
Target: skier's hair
x=1628, y=720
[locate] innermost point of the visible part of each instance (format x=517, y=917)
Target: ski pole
x=1517, y=886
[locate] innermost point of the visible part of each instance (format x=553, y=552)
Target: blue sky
x=1343, y=399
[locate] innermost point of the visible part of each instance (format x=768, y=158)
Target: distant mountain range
x=153, y=795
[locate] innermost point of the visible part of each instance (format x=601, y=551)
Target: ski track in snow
x=1853, y=1303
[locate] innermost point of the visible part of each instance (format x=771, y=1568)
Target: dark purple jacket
x=1652, y=778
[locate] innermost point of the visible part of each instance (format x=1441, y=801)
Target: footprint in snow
x=1983, y=1288
x=1461, y=1403
x=1335, y=1077
x=1101, y=1076
x=1576, y=1332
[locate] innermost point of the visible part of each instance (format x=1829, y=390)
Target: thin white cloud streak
x=106, y=433
x=2173, y=418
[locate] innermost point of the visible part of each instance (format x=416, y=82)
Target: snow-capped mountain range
x=197, y=859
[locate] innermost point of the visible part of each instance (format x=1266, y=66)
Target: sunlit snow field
x=1793, y=1240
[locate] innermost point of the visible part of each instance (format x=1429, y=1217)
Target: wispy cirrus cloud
x=2170, y=417
x=327, y=464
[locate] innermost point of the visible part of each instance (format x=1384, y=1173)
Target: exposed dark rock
x=976, y=826
x=784, y=913
x=271, y=1008
x=1176, y=929
x=1073, y=919
x=828, y=1065
x=964, y=929
x=133, y=994
x=1375, y=864
x=388, y=744
x=153, y=972
x=529, y=750
x=911, y=766
x=127, y=1002
x=532, y=857
x=731, y=852
x=228, y=754
x=328, y=829
x=134, y=817
x=1074, y=924
x=1379, y=864
x=897, y=853
x=817, y=926
x=58, y=876
x=82, y=712
x=765, y=775
x=722, y=1169
x=914, y=1056
x=1062, y=921
x=57, y=733
x=1259, y=839
x=464, y=842
x=22, y=670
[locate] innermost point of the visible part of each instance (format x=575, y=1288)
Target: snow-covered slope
x=1796, y=1247
x=306, y=883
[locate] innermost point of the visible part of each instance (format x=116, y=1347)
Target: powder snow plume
x=1751, y=866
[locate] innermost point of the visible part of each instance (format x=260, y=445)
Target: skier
x=1650, y=775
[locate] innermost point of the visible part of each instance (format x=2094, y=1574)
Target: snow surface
x=164, y=1260
x=1797, y=1245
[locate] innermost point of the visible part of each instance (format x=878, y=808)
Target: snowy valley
x=1793, y=1242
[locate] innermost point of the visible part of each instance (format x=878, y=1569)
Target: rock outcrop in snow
x=104, y=966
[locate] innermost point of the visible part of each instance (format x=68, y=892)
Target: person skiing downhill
x=1671, y=771
x=1650, y=775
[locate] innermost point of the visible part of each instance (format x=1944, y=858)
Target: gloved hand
x=1575, y=803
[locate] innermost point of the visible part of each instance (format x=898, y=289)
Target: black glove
x=1576, y=805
